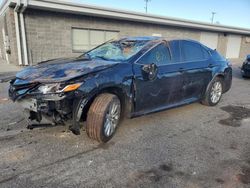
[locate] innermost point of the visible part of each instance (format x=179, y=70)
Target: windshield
x=117, y=50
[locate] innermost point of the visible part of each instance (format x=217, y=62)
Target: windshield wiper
x=84, y=56
x=87, y=55
x=101, y=57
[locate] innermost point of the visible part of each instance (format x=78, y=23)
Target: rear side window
x=205, y=53
x=191, y=51
x=159, y=55
x=175, y=51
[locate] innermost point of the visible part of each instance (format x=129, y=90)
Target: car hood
x=62, y=70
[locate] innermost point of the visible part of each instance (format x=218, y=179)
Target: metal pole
x=16, y=17
x=23, y=33
x=146, y=5
x=212, y=19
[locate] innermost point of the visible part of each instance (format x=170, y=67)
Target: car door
x=157, y=83
x=196, y=69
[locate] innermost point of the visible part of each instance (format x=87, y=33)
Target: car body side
x=121, y=81
x=174, y=84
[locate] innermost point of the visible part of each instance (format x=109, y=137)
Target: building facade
x=38, y=30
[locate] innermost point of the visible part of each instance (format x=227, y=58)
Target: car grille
x=17, y=91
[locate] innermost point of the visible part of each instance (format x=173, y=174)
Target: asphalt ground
x=192, y=146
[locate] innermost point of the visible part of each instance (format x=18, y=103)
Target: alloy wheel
x=112, y=118
x=216, y=92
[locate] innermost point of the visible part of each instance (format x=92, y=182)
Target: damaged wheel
x=103, y=117
x=214, y=93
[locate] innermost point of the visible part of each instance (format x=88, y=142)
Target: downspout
x=23, y=33
x=19, y=50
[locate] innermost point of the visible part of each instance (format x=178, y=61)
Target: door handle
x=181, y=69
x=210, y=65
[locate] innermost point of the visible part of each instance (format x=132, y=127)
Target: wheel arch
x=116, y=90
x=217, y=75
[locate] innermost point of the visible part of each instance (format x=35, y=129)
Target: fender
x=83, y=100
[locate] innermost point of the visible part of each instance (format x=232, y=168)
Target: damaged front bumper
x=55, y=107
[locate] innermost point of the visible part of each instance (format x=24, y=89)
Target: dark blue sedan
x=245, y=69
x=127, y=77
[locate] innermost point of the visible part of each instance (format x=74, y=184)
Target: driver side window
x=159, y=55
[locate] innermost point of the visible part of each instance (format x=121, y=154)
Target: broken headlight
x=58, y=88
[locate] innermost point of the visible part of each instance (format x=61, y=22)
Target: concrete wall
x=222, y=44
x=49, y=33
x=245, y=47
x=2, y=50
x=7, y=23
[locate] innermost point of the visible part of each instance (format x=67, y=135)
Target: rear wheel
x=103, y=117
x=214, y=92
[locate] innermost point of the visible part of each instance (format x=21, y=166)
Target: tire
x=214, y=93
x=103, y=117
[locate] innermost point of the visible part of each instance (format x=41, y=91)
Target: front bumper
x=245, y=69
x=245, y=72
x=56, y=111
x=48, y=103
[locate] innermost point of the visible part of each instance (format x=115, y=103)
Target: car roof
x=159, y=39
x=141, y=38
x=151, y=38
x=194, y=41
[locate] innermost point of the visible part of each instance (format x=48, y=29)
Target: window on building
x=86, y=39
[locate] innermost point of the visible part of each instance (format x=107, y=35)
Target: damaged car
x=245, y=68
x=129, y=77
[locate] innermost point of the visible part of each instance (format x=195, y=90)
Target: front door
x=157, y=82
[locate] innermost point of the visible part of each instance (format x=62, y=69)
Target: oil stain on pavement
x=237, y=114
x=244, y=177
x=153, y=175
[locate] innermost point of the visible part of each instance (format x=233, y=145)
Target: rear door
x=196, y=69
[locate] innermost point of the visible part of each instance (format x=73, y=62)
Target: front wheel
x=103, y=117
x=214, y=92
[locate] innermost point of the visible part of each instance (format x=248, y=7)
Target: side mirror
x=149, y=72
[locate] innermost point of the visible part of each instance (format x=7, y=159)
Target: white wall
x=209, y=39
x=233, y=46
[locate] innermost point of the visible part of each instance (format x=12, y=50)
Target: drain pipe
x=19, y=50
x=23, y=33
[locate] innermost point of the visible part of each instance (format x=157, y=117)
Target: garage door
x=209, y=39
x=233, y=46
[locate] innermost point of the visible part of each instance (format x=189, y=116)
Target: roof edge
x=92, y=10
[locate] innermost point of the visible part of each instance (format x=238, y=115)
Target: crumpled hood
x=62, y=69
